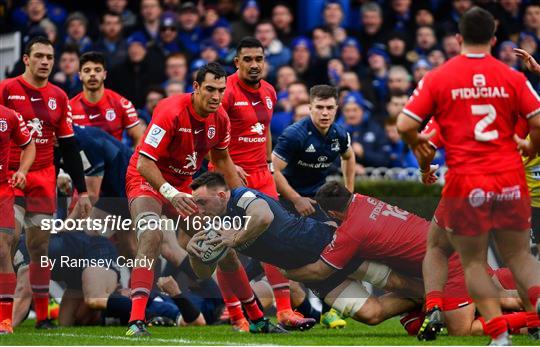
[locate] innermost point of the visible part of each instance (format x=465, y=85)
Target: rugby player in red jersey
x=12, y=129
x=183, y=130
x=378, y=232
x=249, y=101
x=101, y=107
x=476, y=101
x=46, y=111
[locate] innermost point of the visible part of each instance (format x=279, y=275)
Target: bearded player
x=46, y=111
x=100, y=107
x=249, y=101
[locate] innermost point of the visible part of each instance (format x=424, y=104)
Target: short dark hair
x=248, y=42
x=111, y=14
x=94, y=57
x=214, y=68
x=38, y=39
x=323, y=91
x=208, y=179
x=156, y=88
x=477, y=26
x=333, y=196
x=71, y=49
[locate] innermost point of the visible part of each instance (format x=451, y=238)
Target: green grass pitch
x=388, y=333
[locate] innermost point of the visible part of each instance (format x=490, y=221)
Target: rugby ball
x=211, y=254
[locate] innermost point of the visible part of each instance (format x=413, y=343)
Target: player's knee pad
x=377, y=274
x=146, y=221
x=351, y=299
x=34, y=220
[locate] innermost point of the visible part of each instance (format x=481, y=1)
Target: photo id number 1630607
x=217, y=222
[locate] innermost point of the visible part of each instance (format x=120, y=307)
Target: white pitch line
x=150, y=339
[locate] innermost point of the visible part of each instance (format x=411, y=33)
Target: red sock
x=516, y=321
x=533, y=321
x=39, y=281
x=534, y=294
x=233, y=305
x=280, y=286
x=434, y=298
x=8, y=282
x=239, y=283
x=141, y=284
x=496, y=326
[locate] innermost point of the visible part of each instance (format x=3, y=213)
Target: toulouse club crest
x=211, y=132
x=110, y=115
x=269, y=103
x=3, y=125
x=52, y=104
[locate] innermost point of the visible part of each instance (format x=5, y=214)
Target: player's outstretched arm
x=136, y=133
x=527, y=60
x=224, y=164
x=317, y=271
x=348, y=162
x=202, y=270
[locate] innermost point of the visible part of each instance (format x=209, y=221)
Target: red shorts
x=472, y=205
x=137, y=186
x=455, y=294
x=40, y=191
x=505, y=277
x=7, y=200
x=262, y=181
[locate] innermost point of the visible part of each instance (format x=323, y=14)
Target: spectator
x=436, y=58
x=506, y=54
x=276, y=53
x=176, y=70
x=302, y=63
x=51, y=31
x=190, y=30
x=32, y=14
x=367, y=137
x=111, y=43
x=171, y=5
x=211, y=20
x=451, y=45
x=285, y=76
x=397, y=48
x=154, y=95
x=245, y=26
x=297, y=93
x=400, y=16
x=168, y=41
x=324, y=44
x=458, y=8
x=150, y=15
x=335, y=70
x=425, y=41
x=132, y=78
x=222, y=38
x=424, y=17
x=420, y=68
x=396, y=104
x=399, y=80
x=510, y=17
x=174, y=88
x=532, y=20
x=283, y=18
x=76, y=27
x=351, y=55
x=351, y=82
x=209, y=51
x=372, y=29
x=301, y=111
x=398, y=151
x=378, y=61
x=120, y=8
x=67, y=77
x=333, y=19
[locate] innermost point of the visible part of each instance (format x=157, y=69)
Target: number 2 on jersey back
x=490, y=115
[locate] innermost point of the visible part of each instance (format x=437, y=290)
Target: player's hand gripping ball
x=211, y=253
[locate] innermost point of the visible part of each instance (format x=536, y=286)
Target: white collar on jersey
x=475, y=55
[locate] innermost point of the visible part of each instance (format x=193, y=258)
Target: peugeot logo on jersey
x=269, y=103
x=35, y=126
x=3, y=125
x=211, y=132
x=192, y=161
x=110, y=115
x=258, y=128
x=52, y=103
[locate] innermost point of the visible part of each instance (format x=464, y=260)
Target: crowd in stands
x=374, y=51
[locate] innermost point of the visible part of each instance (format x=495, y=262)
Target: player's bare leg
x=435, y=274
x=8, y=281
x=98, y=283
x=514, y=249
x=459, y=322
x=145, y=213
x=71, y=300
x=37, y=243
x=473, y=253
